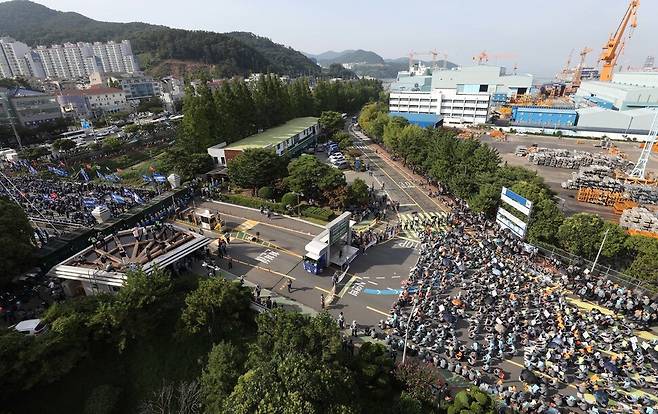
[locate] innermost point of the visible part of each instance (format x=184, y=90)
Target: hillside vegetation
x=225, y=54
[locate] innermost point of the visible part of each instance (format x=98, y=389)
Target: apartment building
x=66, y=61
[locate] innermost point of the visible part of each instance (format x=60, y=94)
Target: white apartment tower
x=67, y=61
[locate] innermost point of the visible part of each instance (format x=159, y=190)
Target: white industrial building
x=460, y=96
x=627, y=90
x=597, y=118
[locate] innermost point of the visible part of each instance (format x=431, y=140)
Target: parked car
x=31, y=327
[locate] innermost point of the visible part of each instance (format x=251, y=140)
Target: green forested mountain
x=225, y=54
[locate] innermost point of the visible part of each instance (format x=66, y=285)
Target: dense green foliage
x=331, y=122
x=228, y=53
x=257, y=167
x=236, y=110
x=253, y=202
x=318, y=213
x=15, y=240
x=472, y=401
x=316, y=181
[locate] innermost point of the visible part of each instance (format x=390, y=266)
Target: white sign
x=509, y=221
x=518, y=202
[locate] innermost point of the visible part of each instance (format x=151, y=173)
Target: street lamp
x=406, y=333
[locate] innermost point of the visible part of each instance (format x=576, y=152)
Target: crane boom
x=575, y=83
x=611, y=48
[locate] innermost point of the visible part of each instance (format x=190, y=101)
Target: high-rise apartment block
x=67, y=61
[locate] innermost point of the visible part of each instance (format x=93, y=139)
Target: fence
x=620, y=278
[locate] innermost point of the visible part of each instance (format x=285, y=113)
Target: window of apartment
x=484, y=88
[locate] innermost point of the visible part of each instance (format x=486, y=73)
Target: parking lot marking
x=323, y=290
x=372, y=283
x=377, y=310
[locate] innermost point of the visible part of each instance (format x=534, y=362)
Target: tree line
x=237, y=110
x=474, y=172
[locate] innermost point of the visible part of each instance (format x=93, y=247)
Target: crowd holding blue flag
x=84, y=175
x=58, y=171
x=159, y=178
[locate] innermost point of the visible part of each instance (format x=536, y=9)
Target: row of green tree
x=474, y=172
x=192, y=345
x=237, y=110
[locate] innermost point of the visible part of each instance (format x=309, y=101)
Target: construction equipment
x=641, y=165
x=567, y=67
x=481, y=58
x=615, y=44
x=575, y=83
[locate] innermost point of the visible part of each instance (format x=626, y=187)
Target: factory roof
x=544, y=109
x=275, y=135
x=618, y=86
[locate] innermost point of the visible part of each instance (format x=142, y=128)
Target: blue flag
x=84, y=175
x=159, y=178
x=146, y=178
x=118, y=199
x=89, y=202
x=32, y=170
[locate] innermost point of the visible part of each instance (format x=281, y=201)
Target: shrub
x=266, y=192
x=318, y=213
x=253, y=202
x=289, y=199
x=102, y=400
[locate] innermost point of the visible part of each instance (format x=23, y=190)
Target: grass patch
x=133, y=174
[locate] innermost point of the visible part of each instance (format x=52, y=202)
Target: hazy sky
x=539, y=34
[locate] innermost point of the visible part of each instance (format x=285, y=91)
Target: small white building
x=290, y=138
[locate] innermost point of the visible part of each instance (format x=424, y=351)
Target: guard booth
x=332, y=246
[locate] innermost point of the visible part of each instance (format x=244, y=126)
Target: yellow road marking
x=377, y=310
x=267, y=224
x=323, y=290
x=246, y=225
x=291, y=253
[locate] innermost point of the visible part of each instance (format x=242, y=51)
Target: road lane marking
x=380, y=277
x=377, y=310
x=323, y=290
x=263, y=268
x=372, y=283
x=265, y=223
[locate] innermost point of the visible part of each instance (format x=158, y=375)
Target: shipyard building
x=456, y=96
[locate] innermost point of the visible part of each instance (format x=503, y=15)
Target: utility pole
x=605, y=236
x=18, y=138
x=406, y=333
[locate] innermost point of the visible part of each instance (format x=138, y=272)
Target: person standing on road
x=354, y=328
x=322, y=304
x=230, y=263
x=341, y=321
x=289, y=285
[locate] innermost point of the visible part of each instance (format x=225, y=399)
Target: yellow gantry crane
x=615, y=44
x=575, y=83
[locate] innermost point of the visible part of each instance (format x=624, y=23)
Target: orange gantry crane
x=615, y=44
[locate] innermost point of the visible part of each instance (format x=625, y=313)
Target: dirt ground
x=555, y=176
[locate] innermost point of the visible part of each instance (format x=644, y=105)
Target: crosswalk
x=413, y=224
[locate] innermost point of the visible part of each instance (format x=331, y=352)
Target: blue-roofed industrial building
x=422, y=120
x=543, y=116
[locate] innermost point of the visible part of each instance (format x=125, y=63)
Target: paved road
x=399, y=184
